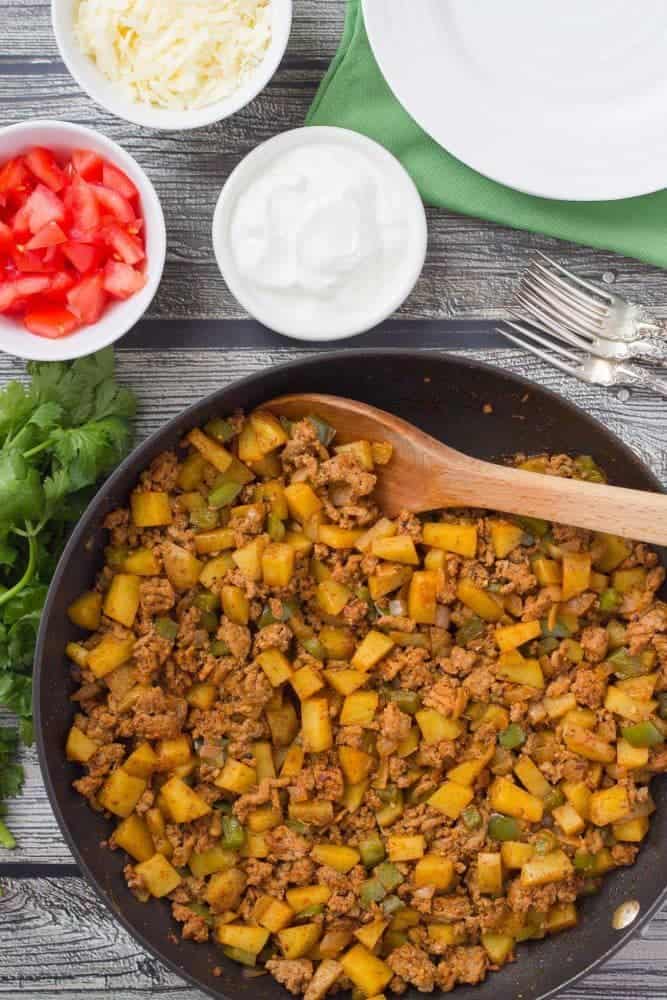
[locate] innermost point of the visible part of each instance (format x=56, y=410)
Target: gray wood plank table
x=56, y=940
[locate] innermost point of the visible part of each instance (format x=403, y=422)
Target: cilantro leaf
x=21, y=492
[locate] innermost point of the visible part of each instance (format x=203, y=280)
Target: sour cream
x=320, y=233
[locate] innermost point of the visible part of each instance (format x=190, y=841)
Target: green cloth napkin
x=355, y=95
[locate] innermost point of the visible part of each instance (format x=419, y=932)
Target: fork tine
x=537, y=303
x=557, y=347
x=551, y=285
x=546, y=323
x=600, y=292
x=550, y=360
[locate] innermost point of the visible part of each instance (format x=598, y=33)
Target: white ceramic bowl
x=354, y=321
x=119, y=317
x=109, y=96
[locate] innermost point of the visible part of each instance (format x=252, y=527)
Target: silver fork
x=584, y=366
x=586, y=316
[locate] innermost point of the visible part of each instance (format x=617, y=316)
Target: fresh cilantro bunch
x=59, y=434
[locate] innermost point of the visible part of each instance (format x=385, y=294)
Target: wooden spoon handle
x=613, y=509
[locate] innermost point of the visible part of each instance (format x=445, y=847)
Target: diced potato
x=225, y=889
x=278, y=564
x=451, y=799
x=353, y=795
x=510, y=637
x=561, y=918
x=553, y=867
x=458, y=538
x=515, y=854
x=584, y=717
x=295, y=942
x=248, y=446
x=337, y=856
x=367, y=972
x=490, y=873
x=587, y=744
x=150, y=510
x=235, y=604
x=626, y=580
x=446, y=935
x=142, y=562
x=293, y=763
x=434, y=869
x=283, y=723
x=569, y=820
x=264, y=818
x=159, y=877
x=173, y=752
x=182, y=568
x=236, y=777
x=469, y=771
x=77, y=653
x=345, y=681
x=338, y=538
x=405, y=847
x=436, y=727
x=333, y=942
x=216, y=569
x=639, y=688
x=242, y=936
x=480, y=601
x=305, y=896
x=384, y=528
x=301, y=544
x=560, y=706
x=400, y=549
x=576, y=573
x=319, y=812
x=355, y=764
x=208, y=542
x=578, y=794
x=121, y=792
x=620, y=703
x=509, y=799
x=264, y=763
x=86, y=610
x=142, y=762
x=133, y=836
x=275, y=665
x=422, y=597
x=338, y=643
x=79, y=747
x=609, y=805
x=387, y=578
x=498, y=947
x=548, y=571
x=359, y=708
x=302, y=501
x=527, y=672
x=255, y=846
x=372, y=649
x=191, y=473
x=361, y=450
x=332, y=596
x=631, y=831
x=382, y=452
x=249, y=558
x=211, y=450
x=121, y=601
x=215, y=859
x=531, y=777
x=613, y=550
x=316, y=725
x=370, y=934
x=183, y=803
x=269, y=432
x=202, y=695
x=505, y=537
x=272, y=914
x=306, y=682
x=629, y=757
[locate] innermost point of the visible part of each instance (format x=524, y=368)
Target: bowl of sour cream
x=320, y=233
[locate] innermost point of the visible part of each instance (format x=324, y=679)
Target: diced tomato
x=14, y=176
x=49, y=236
x=127, y=247
x=115, y=179
x=51, y=321
x=32, y=261
x=122, y=280
x=6, y=237
x=82, y=204
x=61, y=282
x=114, y=202
x=87, y=164
x=42, y=207
x=83, y=256
x=21, y=288
x=88, y=298
x=42, y=163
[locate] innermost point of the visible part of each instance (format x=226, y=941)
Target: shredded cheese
x=175, y=54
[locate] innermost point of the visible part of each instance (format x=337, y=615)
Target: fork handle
x=651, y=347
x=642, y=378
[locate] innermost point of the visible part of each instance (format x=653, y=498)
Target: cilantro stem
x=29, y=571
x=38, y=448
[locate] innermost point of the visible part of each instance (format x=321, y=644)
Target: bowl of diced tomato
x=82, y=240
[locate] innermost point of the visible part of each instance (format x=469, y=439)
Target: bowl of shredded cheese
x=172, y=64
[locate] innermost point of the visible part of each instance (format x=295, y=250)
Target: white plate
x=559, y=98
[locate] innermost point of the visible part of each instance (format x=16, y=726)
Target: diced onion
x=175, y=54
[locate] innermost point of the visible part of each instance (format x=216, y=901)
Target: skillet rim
x=136, y=461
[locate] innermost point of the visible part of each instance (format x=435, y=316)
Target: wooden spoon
x=425, y=474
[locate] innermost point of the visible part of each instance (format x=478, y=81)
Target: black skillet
x=475, y=408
